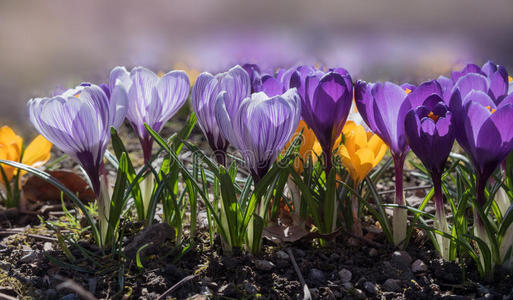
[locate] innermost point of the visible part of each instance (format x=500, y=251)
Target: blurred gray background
x=46, y=44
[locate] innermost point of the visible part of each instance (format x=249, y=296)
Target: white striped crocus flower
x=260, y=127
x=152, y=100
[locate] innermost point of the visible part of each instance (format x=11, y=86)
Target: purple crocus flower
x=254, y=73
x=326, y=101
x=491, y=79
x=429, y=132
x=383, y=108
x=78, y=122
x=428, y=127
x=151, y=100
x=487, y=134
x=205, y=91
x=275, y=118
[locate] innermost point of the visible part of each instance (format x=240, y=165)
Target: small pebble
x=263, y=265
x=47, y=246
x=418, y=266
x=316, y=276
x=373, y=252
x=347, y=285
x=401, y=259
x=392, y=285
x=27, y=258
x=370, y=287
x=70, y=297
x=282, y=255
x=250, y=288
x=345, y=275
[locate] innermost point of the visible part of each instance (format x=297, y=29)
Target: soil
x=36, y=264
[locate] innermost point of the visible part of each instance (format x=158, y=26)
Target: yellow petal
x=365, y=159
x=309, y=148
x=38, y=152
x=10, y=149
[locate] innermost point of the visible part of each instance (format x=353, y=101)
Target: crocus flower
x=326, y=103
x=360, y=152
x=429, y=131
x=151, y=100
x=309, y=149
x=496, y=79
x=205, y=91
x=78, y=123
x=383, y=108
x=487, y=136
x=276, y=119
x=36, y=154
x=254, y=73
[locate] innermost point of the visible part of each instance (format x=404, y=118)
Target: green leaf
x=119, y=149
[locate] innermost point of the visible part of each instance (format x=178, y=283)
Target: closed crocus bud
x=360, y=152
x=276, y=119
x=326, y=105
x=430, y=134
x=383, y=108
x=236, y=84
x=152, y=100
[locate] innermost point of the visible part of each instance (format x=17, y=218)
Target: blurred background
x=47, y=44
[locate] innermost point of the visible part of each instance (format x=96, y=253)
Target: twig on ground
x=30, y=235
x=306, y=291
x=6, y=297
x=75, y=287
x=177, y=285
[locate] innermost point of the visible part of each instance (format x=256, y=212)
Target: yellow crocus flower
x=36, y=154
x=309, y=149
x=360, y=152
x=191, y=72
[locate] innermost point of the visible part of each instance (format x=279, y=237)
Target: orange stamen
x=433, y=117
x=492, y=110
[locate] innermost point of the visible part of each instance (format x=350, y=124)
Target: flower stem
x=440, y=219
x=400, y=214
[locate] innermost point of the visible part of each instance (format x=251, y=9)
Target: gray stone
x=392, y=285
x=70, y=297
x=373, y=252
x=250, y=288
x=418, y=266
x=316, y=276
x=282, y=255
x=47, y=246
x=263, y=265
x=51, y=294
x=345, y=275
x=401, y=260
x=5, y=266
x=29, y=257
x=347, y=285
x=370, y=287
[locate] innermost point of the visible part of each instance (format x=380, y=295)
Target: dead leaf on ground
x=36, y=189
